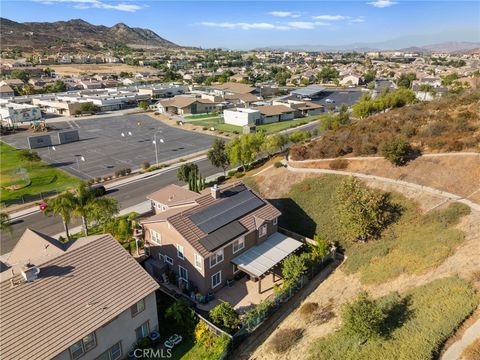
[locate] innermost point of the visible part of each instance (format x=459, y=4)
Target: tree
x=5, y=222
x=299, y=136
x=19, y=74
x=184, y=171
x=143, y=105
x=88, y=207
x=218, y=156
x=88, y=107
x=318, y=250
x=244, y=149
x=364, y=317
x=275, y=142
x=327, y=74
x=62, y=205
x=405, y=80
x=181, y=314
x=397, y=150
x=293, y=267
x=363, y=213
x=225, y=316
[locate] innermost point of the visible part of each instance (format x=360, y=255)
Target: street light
x=155, y=143
x=78, y=162
x=125, y=135
x=50, y=148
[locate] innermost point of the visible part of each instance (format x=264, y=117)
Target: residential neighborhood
x=222, y=180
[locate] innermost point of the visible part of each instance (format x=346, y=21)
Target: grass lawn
x=417, y=331
x=283, y=125
x=42, y=177
x=411, y=245
x=218, y=124
x=200, y=116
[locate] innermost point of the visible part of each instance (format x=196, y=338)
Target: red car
x=43, y=206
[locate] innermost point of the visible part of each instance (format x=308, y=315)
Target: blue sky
x=249, y=24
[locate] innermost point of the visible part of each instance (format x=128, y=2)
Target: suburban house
x=275, y=113
x=6, y=91
x=351, y=80
x=12, y=82
x=208, y=239
x=242, y=116
x=84, y=299
x=232, y=88
x=302, y=108
x=185, y=105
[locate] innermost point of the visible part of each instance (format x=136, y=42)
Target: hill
x=76, y=34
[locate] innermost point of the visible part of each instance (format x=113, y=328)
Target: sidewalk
x=455, y=351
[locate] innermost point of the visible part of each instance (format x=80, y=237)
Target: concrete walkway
x=381, y=157
x=427, y=189
x=456, y=349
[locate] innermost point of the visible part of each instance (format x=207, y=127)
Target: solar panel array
x=226, y=211
x=223, y=235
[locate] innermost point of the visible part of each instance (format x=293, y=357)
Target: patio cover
x=261, y=258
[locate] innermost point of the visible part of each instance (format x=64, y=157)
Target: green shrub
x=238, y=175
x=145, y=165
x=225, y=316
x=278, y=164
x=308, y=309
x=232, y=173
x=397, y=151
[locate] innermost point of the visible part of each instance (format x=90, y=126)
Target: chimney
x=30, y=272
x=215, y=191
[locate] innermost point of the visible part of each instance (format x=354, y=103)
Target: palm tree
x=62, y=205
x=88, y=207
x=5, y=222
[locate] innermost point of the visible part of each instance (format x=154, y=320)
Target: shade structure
x=260, y=259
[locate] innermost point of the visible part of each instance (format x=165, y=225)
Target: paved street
x=105, y=149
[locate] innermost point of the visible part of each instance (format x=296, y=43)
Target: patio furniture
x=154, y=336
x=230, y=282
x=173, y=340
x=210, y=296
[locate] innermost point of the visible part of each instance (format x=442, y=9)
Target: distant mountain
x=76, y=34
x=446, y=47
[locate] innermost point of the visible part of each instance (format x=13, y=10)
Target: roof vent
x=30, y=272
x=215, y=191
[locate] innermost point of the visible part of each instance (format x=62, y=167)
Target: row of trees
x=367, y=106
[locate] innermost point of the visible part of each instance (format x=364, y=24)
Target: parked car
x=98, y=190
x=43, y=206
x=329, y=101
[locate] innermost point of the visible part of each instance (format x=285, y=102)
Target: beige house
x=207, y=240
x=185, y=105
x=85, y=299
x=275, y=113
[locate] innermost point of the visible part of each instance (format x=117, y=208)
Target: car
x=43, y=206
x=98, y=190
x=329, y=101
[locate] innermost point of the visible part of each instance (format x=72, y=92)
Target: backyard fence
x=23, y=199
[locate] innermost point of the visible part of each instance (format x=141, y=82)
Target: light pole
x=155, y=143
x=78, y=162
x=50, y=148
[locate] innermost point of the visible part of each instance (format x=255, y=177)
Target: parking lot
x=338, y=96
x=102, y=149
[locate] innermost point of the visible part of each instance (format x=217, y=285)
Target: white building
x=12, y=113
x=241, y=116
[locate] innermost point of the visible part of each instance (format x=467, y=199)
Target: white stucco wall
x=121, y=329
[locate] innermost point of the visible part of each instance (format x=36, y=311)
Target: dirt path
x=427, y=189
x=471, y=334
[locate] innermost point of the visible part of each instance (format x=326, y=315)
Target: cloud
x=94, y=4
x=291, y=14
x=293, y=25
x=382, y=3
x=330, y=17
x=360, y=19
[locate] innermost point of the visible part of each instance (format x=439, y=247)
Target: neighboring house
x=351, y=80
x=426, y=92
x=90, y=84
x=233, y=88
x=6, y=91
x=275, y=113
x=185, y=105
x=210, y=238
x=12, y=82
x=302, y=108
x=241, y=100
x=85, y=299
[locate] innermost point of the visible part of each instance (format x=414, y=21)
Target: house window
x=275, y=221
x=263, y=230
x=182, y=273
x=235, y=269
x=142, y=331
x=156, y=237
x=82, y=346
x=138, y=307
x=216, y=258
x=198, y=261
x=238, y=245
x=216, y=279
x=168, y=260
x=180, y=252
x=114, y=353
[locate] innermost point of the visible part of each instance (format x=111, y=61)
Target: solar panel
x=223, y=235
x=227, y=210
